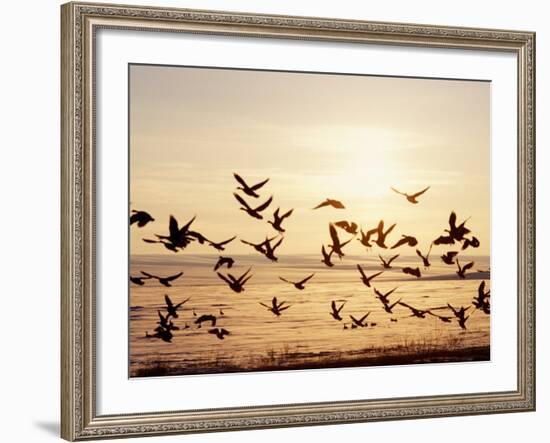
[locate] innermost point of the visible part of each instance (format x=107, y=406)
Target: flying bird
x=366, y=280
x=349, y=227
x=449, y=257
x=177, y=238
x=278, y=219
x=228, y=261
x=205, y=318
x=236, y=284
x=276, y=307
x=462, y=269
x=443, y=318
x=336, y=245
x=425, y=258
x=326, y=257
x=330, y=202
x=405, y=240
x=412, y=271
x=412, y=198
x=270, y=249
x=165, y=281
x=253, y=212
x=139, y=280
x=473, y=242
x=249, y=190
x=482, y=299
x=457, y=232
x=444, y=240
x=219, y=332
x=384, y=297
x=365, y=237
x=460, y=314
x=335, y=313
x=141, y=218
x=171, y=308
x=387, y=264
x=419, y=313
x=359, y=322
x=381, y=237
x=221, y=245
x=300, y=284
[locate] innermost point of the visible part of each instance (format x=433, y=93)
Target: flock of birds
x=179, y=237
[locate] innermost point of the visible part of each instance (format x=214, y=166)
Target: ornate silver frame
x=80, y=21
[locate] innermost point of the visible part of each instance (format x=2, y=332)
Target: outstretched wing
x=467, y=266
x=333, y=235
x=168, y=301
x=227, y=241
x=400, y=243
x=420, y=192
x=264, y=205
x=148, y=275
x=285, y=280
x=306, y=279
x=287, y=214
x=322, y=204
x=240, y=180
x=241, y=200
x=375, y=275
x=224, y=278
x=399, y=192
x=362, y=272
x=259, y=185
x=183, y=302
x=173, y=277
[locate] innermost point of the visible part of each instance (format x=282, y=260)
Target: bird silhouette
x=165, y=281
x=405, y=240
x=138, y=280
x=300, y=284
x=387, y=264
x=326, y=257
x=419, y=313
x=270, y=249
x=359, y=322
x=335, y=313
x=460, y=314
x=221, y=245
x=224, y=261
x=365, y=237
x=381, y=237
x=177, y=238
x=449, y=257
x=219, y=332
x=473, y=242
x=411, y=197
x=457, y=232
x=253, y=212
x=161, y=333
x=336, y=245
x=141, y=218
x=443, y=318
x=384, y=297
x=278, y=219
x=205, y=318
x=349, y=227
x=236, y=284
x=444, y=240
x=366, y=280
x=171, y=308
x=412, y=271
x=249, y=190
x=330, y=202
x=425, y=258
x=276, y=307
x=482, y=300
x=462, y=269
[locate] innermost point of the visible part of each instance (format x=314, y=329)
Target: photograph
x=289, y=220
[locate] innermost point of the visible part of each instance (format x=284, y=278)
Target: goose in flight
x=335, y=313
x=457, y=232
x=205, y=318
x=462, y=269
x=336, y=245
x=300, y=284
x=387, y=306
x=482, y=298
x=365, y=237
x=326, y=257
x=253, y=212
x=425, y=258
x=165, y=281
x=384, y=297
x=270, y=249
x=172, y=308
x=228, y=261
x=141, y=218
x=412, y=198
x=139, y=280
x=387, y=264
x=330, y=202
x=163, y=321
x=405, y=240
x=276, y=307
x=278, y=219
x=366, y=280
x=381, y=238
x=412, y=271
x=249, y=190
x=460, y=314
x=177, y=238
x=219, y=332
x=236, y=284
x=449, y=257
x=221, y=245
x=361, y=321
x=473, y=242
x=349, y=227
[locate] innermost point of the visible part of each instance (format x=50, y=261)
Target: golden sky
x=314, y=136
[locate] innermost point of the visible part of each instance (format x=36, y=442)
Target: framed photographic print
x=290, y=221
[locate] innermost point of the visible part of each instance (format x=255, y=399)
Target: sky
x=315, y=136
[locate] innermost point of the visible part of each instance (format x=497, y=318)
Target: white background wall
x=29, y=217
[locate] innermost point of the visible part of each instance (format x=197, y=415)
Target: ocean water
x=305, y=335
